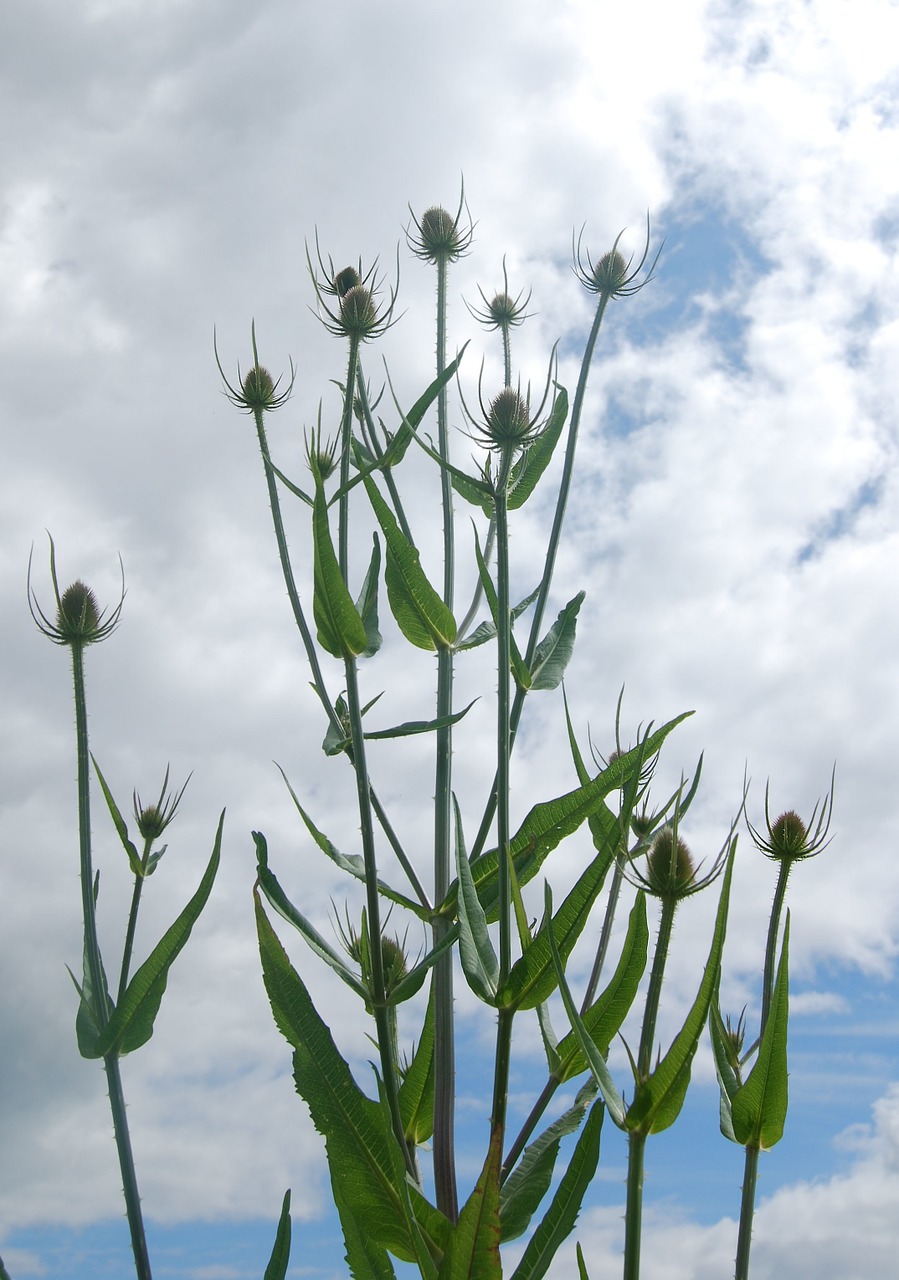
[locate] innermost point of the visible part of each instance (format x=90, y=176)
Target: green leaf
x=277, y=1263
x=479, y=962
x=531, y=466
x=416, y=1093
x=561, y=1216
x=411, y=727
x=658, y=1099
x=532, y=978
x=362, y=1152
x=131, y=1025
x=352, y=863
x=121, y=828
x=487, y=630
x=759, y=1108
x=603, y=1020
x=341, y=630
x=472, y=1251
x=365, y=1257
x=367, y=604
x=581, y=1265
x=87, y=1027
x=529, y=1182
x=555, y=649
x=419, y=611
x=275, y=895
x=288, y=484
x=594, y=1058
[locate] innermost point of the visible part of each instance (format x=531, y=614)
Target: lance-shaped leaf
x=341, y=630
x=268, y=883
x=419, y=611
x=603, y=1020
x=487, y=630
x=362, y=1152
x=531, y=465
x=366, y=1258
x=119, y=823
x=596, y=1061
x=416, y=1093
x=411, y=727
x=277, y=1263
x=472, y=1251
x=87, y=1023
x=658, y=1099
x=555, y=649
x=561, y=1216
x=532, y=978
x=352, y=863
x=131, y=1025
x=367, y=604
x=525, y=1187
x=549, y=822
x=479, y=962
x=581, y=1265
x=759, y=1108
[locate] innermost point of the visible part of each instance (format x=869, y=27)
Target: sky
x=734, y=522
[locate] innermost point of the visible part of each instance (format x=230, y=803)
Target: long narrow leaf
x=759, y=1108
x=277, y=1263
x=131, y=1025
x=479, y=962
x=362, y=1152
x=119, y=823
x=528, y=1183
x=524, y=477
x=559, y=1220
x=728, y=1081
x=416, y=1093
x=603, y=1020
x=658, y=1099
x=419, y=611
x=473, y=1249
x=367, y=604
x=340, y=628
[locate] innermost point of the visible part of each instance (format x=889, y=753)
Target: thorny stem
x=346, y=431
x=382, y=1013
x=444, y=1029
x=751, y=1159
x=99, y=999
x=551, y=551
x=318, y=682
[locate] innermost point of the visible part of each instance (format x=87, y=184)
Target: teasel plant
x=471, y=904
x=107, y=1029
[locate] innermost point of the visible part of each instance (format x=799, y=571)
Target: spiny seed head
x=508, y=420
x=78, y=615
x=394, y=961
x=438, y=234
x=789, y=835
x=151, y=822
x=670, y=872
x=610, y=273
x=358, y=312
x=789, y=838
x=346, y=280
x=258, y=388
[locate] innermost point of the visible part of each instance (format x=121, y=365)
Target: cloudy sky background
x=734, y=523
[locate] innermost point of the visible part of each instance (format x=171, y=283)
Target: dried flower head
x=78, y=621
x=613, y=275
x=256, y=391
x=440, y=237
x=789, y=838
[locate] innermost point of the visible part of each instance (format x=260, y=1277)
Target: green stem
x=101, y=1009
x=551, y=551
x=751, y=1158
x=633, y=1214
x=654, y=991
x=530, y=1124
x=382, y=1013
x=129, y=936
x=503, y=747
x=444, y=1028
x=346, y=437
x=747, y=1213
